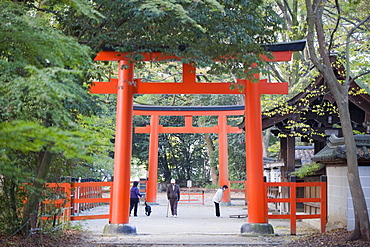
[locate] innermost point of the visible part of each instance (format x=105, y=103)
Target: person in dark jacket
x=173, y=195
x=134, y=198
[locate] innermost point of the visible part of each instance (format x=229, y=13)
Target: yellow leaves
x=357, y=91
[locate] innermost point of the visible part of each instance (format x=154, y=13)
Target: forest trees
x=42, y=99
x=344, y=32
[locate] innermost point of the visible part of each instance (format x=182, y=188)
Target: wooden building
x=317, y=126
x=333, y=156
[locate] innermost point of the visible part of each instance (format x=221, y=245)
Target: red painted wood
x=293, y=208
x=104, y=87
x=91, y=200
x=188, y=129
x=90, y=217
x=293, y=200
x=122, y=158
x=188, y=73
x=254, y=160
x=206, y=88
x=193, y=113
x=323, y=209
x=153, y=160
x=279, y=56
x=186, y=88
x=223, y=157
x=90, y=184
x=118, y=56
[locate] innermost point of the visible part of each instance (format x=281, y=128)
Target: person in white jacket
x=218, y=198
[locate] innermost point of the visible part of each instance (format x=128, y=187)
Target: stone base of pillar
x=119, y=229
x=256, y=229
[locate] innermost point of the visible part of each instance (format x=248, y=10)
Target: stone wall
x=337, y=197
x=364, y=172
x=340, y=206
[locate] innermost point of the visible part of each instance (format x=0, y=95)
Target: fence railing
x=192, y=198
x=292, y=200
x=72, y=198
x=87, y=196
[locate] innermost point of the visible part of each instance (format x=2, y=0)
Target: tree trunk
x=358, y=197
x=340, y=94
x=33, y=200
x=265, y=142
x=210, y=150
x=163, y=157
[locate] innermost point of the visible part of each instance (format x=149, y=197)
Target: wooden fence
x=192, y=198
x=72, y=198
x=292, y=200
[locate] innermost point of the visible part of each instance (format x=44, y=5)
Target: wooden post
x=293, y=205
x=151, y=188
x=122, y=158
x=223, y=156
x=323, y=205
x=254, y=158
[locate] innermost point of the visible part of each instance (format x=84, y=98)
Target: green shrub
x=307, y=169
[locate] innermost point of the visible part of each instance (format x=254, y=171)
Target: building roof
x=301, y=109
x=304, y=153
x=335, y=150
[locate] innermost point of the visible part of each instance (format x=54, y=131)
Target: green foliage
x=196, y=30
x=182, y=156
x=11, y=200
x=26, y=40
x=176, y=8
x=212, y=186
x=42, y=78
x=307, y=169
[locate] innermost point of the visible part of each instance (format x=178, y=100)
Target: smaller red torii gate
x=154, y=129
x=126, y=86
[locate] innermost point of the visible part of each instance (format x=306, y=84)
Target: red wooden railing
x=293, y=200
x=78, y=197
x=86, y=196
x=82, y=196
x=192, y=198
x=62, y=202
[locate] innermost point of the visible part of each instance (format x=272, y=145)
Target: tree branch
x=353, y=29
x=336, y=25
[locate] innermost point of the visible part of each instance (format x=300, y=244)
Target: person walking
x=218, y=198
x=134, y=197
x=173, y=195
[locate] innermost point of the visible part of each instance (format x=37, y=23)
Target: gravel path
x=196, y=225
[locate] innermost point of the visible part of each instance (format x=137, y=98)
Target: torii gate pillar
x=223, y=157
x=151, y=192
x=255, y=189
x=120, y=198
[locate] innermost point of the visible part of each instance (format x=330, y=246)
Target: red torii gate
x=126, y=86
x=154, y=129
